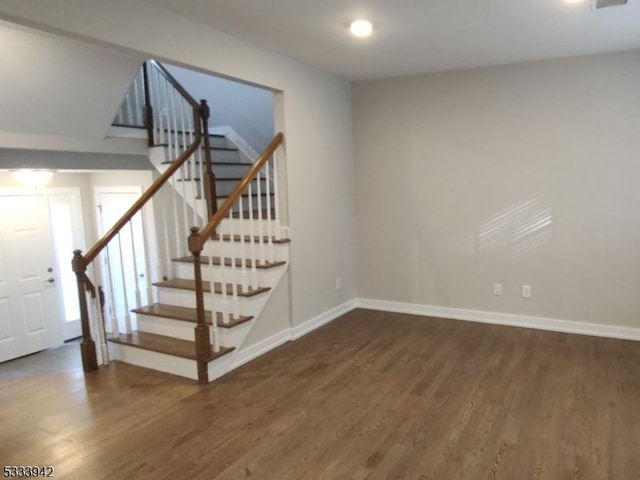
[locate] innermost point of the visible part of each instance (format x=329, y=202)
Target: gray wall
x=523, y=174
x=247, y=109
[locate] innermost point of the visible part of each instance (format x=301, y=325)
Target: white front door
x=29, y=306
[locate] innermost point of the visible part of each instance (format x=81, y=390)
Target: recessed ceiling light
x=361, y=28
x=574, y=1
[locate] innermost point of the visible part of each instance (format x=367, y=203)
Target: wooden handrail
x=174, y=83
x=208, y=230
x=93, y=252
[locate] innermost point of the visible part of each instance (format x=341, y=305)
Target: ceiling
x=416, y=36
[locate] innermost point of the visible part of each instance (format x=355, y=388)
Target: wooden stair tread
x=186, y=284
x=248, y=238
x=167, y=345
x=206, y=260
x=187, y=314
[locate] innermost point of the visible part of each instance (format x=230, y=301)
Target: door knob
x=51, y=280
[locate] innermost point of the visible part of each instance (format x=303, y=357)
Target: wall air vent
x=598, y=4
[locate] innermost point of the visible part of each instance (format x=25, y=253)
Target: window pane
x=63, y=239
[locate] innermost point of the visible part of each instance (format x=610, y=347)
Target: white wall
x=245, y=108
x=316, y=121
x=523, y=174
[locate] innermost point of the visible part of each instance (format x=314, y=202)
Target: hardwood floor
x=370, y=396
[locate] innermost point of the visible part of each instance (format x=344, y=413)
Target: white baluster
x=135, y=266
x=185, y=216
x=214, y=316
x=167, y=270
x=127, y=314
x=179, y=233
x=147, y=260
x=99, y=325
x=270, y=249
x=252, y=240
x=261, y=248
x=234, y=283
x=174, y=121
x=243, y=256
x=115, y=324
x=276, y=198
x=183, y=124
x=137, y=103
x=129, y=110
x=166, y=111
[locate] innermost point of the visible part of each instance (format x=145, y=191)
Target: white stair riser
x=247, y=227
x=227, y=275
x=246, y=206
x=226, y=156
x=230, y=171
x=156, y=361
x=225, y=187
x=220, y=142
x=235, y=249
x=229, y=337
x=248, y=306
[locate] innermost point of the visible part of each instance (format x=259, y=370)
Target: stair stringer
x=240, y=333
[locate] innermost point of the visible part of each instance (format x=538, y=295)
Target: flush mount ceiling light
x=33, y=178
x=361, y=28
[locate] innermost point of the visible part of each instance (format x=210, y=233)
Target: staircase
x=220, y=246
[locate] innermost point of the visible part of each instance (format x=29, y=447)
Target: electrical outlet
x=526, y=291
x=338, y=283
x=497, y=289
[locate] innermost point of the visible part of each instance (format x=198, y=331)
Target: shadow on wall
x=248, y=110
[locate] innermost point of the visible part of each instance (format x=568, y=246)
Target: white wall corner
x=282, y=337
x=495, y=318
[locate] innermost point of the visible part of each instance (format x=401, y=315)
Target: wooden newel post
x=148, y=108
x=88, y=346
x=209, y=177
x=203, y=335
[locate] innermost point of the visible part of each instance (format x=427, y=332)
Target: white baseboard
x=513, y=320
x=322, y=319
x=260, y=348
x=282, y=337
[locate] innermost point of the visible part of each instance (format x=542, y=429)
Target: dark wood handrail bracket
x=209, y=230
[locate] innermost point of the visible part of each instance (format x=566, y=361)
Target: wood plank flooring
x=370, y=396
